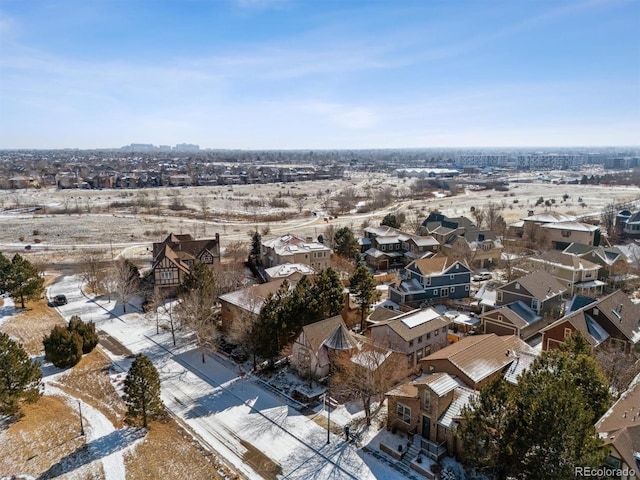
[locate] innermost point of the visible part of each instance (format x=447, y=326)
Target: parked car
x=478, y=277
x=59, y=300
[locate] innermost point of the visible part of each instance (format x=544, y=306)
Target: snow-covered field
x=231, y=413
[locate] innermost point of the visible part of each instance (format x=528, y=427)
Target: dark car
x=59, y=300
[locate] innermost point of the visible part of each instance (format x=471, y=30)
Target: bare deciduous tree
x=619, y=366
x=93, y=271
x=237, y=250
x=196, y=310
x=366, y=376
x=126, y=280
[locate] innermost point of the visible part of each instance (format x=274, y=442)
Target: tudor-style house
x=174, y=257
x=431, y=279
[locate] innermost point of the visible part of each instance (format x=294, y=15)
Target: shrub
x=87, y=332
x=62, y=347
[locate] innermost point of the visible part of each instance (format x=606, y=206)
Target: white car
x=478, y=277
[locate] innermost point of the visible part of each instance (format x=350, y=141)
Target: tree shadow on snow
x=95, y=450
x=317, y=467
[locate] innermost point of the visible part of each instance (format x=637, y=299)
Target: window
x=451, y=277
x=567, y=333
x=466, y=288
x=428, y=335
x=427, y=281
x=166, y=275
x=427, y=400
x=383, y=247
x=419, y=355
x=420, y=339
x=452, y=289
x=445, y=292
x=534, y=304
x=565, y=233
x=411, y=343
x=435, y=334
x=404, y=413
x=444, y=329
x=435, y=292
x=499, y=296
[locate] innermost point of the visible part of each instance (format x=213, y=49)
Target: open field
x=117, y=221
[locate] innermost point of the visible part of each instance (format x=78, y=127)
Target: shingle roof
x=316, y=333
x=479, y=356
x=434, y=265
x=540, y=284
x=252, y=298
x=566, y=260
x=622, y=313
x=415, y=323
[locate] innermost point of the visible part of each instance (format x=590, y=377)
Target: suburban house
x=478, y=247
x=429, y=408
x=556, y=230
x=619, y=428
x=174, y=257
x=387, y=247
x=414, y=334
x=478, y=359
x=515, y=318
x=611, y=260
x=576, y=273
x=291, y=271
x=539, y=291
x=611, y=320
x=312, y=349
x=442, y=228
x=239, y=308
x=293, y=249
x=431, y=279
x=628, y=224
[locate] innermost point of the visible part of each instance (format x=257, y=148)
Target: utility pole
x=81, y=424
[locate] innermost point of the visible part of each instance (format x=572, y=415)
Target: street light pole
x=81, y=424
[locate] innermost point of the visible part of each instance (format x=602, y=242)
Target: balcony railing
x=435, y=451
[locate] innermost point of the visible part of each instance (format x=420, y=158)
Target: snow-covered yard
x=252, y=427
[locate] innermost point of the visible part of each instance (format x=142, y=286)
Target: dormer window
x=517, y=286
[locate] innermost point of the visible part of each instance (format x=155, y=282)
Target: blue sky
x=319, y=74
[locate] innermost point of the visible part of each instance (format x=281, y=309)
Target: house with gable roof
x=555, y=229
x=619, y=428
x=431, y=279
x=175, y=256
x=414, y=334
x=577, y=273
x=429, y=408
x=294, y=249
x=611, y=259
x=538, y=291
x=611, y=320
x=388, y=247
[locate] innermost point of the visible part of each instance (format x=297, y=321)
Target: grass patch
x=168, y=449
x=89, y=380
x=30, y=325
x=47, y=433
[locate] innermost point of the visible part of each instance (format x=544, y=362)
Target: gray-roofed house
x=414, y=334
x=294, y=249
x=611, y=259
x=539, y=291
x=611, y=320
x=388, y=247
x=515, y=318
x=577, y=273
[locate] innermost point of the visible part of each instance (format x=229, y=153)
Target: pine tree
x=20, y=377
x=363, y=288
x=62, y=347
x=20, y=279
x=256, y=244
x=327, y=294
x=345, y=243
x=142, y=391
x=87, y=332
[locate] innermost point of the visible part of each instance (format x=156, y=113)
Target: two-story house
x=431, y=279
x=174, y=257
x=430, y=407
x=389, y=247
x=294, y=249
x=479, y=248
x=611, y=259
x=578, y=274
x=611, y=320
x=539, y=291
x=415, y=334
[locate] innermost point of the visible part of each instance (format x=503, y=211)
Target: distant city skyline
x=292, y=74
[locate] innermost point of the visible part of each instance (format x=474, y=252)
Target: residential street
x=257, y=433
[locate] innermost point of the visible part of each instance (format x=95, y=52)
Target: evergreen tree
x=363, y=287
x=142, y=391
x=62, y=347
x=393, y=220
x=345, y=243
x=200, y=277
x=20, y=279
x=20, y=377
x=544, y=427
x=327, y=294
x=256, y=244
x=87, y=332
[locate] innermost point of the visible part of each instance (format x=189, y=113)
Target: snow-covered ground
x=7, y=309
x=233, y=414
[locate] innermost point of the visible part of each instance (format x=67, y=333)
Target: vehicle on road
x=59, y=300
x=479, y=277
